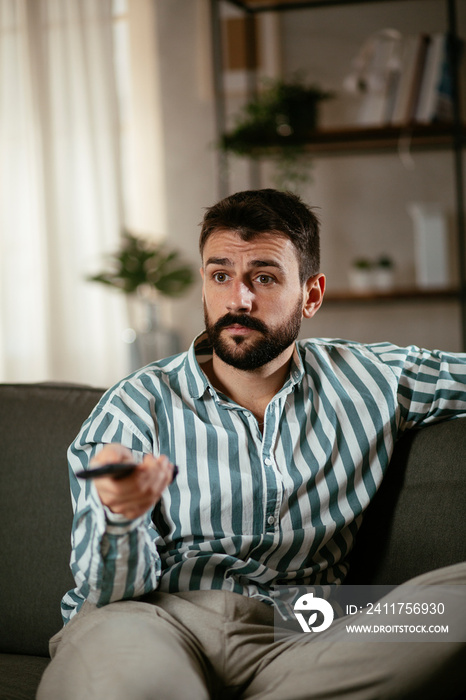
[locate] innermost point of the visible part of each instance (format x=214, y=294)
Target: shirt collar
x=297, y=366
x=201, y=350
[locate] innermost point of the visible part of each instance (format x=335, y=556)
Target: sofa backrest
x=37, y=424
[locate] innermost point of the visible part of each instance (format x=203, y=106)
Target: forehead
x=266, y=246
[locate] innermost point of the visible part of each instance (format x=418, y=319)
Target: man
x=280, y=447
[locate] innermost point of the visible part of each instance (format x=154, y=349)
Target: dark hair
x=253, y=212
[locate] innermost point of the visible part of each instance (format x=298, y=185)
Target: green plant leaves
x=282, y=115
x=140, y=262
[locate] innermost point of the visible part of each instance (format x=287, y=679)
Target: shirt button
x=270, y=520
x=267, y=461
x=246, y=414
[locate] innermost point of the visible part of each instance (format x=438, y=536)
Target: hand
x=137, y=493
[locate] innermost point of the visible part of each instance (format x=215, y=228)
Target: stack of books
x=413, y=79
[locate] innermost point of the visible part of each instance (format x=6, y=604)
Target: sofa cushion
x=37, y=424
x=417, y=521
x=20, y=676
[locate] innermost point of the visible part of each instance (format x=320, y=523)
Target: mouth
x=238, y=329
x=241, y=325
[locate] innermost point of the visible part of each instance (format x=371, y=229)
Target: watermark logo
x=309, y=603
x=416, y=612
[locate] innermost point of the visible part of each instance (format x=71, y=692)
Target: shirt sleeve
x=112, y=558
x=431, y=385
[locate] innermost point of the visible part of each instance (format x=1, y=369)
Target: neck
x=252, y=389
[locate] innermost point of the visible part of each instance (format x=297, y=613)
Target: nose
x=241, y=297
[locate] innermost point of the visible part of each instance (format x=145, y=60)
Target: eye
x=220, y=277
x=264, y=279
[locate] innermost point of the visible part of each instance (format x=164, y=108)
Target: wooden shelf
x=353, y=140
x=390, y=138
x=397, y=294
x=277, y=5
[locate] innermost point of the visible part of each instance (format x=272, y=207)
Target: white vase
x=360, y=280
x=382, y=279
x=151, y=339
x=430, y=244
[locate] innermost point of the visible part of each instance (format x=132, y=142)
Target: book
x=412, y=63
x=443, y=110
x=435, y=64
x=381, y=78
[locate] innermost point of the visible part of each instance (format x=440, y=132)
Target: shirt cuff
x=119, y=524
x=110, y=522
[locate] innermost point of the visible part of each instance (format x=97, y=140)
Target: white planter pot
x=360, y=280
x=382, y=279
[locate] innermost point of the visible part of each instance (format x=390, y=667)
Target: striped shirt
x=250, y=510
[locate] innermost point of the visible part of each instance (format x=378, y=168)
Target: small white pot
x=382, y=279
x=360, y=280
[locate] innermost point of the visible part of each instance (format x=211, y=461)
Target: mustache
x=241, y=320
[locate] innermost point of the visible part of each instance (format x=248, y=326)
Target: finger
x=131, y=505
x=112, y=452
x=145, y=489
x=132, y=509
x=121, y=490
x=161, y=466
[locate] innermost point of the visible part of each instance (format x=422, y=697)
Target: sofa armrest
x=417, y=521
x=37, y=424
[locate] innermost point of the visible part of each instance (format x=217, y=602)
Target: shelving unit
x=351, y=141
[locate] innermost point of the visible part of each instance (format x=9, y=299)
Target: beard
x=246, y=354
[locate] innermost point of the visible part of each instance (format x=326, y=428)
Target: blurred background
x=111, y=115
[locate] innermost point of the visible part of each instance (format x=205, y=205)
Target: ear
x=313, y=295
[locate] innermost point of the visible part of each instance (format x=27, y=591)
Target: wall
x=189, y=128
x=362, y=200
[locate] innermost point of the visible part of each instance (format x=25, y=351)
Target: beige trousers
x=215, y=644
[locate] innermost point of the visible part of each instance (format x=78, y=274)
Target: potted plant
x=383, y=273
x=360, y=275
x=146, y=267
x=146, y=271
x=277, y=124
x=366, y=275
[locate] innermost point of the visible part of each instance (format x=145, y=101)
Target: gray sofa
x=416, y=523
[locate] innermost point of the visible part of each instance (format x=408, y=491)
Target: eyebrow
x=226, y=262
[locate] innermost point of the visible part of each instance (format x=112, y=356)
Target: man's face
x=253, y=299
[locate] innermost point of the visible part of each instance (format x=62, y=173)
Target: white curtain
x=60, y=203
